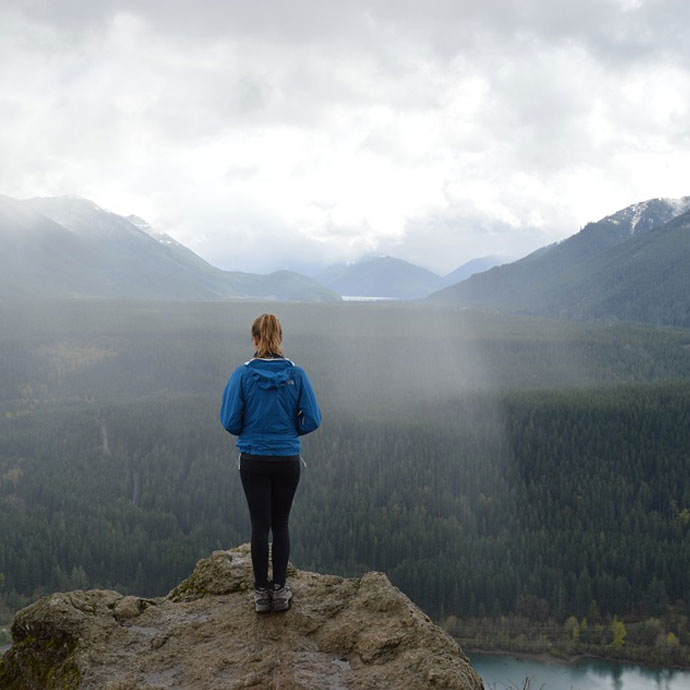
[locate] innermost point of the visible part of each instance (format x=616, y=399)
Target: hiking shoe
x=281, y=597
x=262, y=600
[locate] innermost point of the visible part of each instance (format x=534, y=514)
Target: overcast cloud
x=267, y=135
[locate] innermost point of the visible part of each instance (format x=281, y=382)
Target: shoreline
x=547, y=657
x=544, y=657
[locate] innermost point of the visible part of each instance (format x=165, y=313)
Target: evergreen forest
x=491, y=465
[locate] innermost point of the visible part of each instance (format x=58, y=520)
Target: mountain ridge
x=547, y=282
x=394, y=278
x=70, y=247
x=380, y=276
x=473, y=266
x=646, y=279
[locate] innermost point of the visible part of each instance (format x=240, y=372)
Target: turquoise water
x=501, y=672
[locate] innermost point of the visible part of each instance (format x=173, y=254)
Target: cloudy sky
x=295, y=133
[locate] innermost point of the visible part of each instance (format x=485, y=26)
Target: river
x=504, y=671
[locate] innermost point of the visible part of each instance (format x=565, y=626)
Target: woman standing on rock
x=269, y=403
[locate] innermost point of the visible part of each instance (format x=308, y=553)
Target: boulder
x=204, y=635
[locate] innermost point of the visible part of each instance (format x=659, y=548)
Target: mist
x=449, y=436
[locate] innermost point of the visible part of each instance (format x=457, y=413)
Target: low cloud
x=269, y=135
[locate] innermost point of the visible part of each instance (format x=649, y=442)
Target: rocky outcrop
x=340, y=633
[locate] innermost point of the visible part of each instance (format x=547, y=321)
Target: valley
x=492, y=465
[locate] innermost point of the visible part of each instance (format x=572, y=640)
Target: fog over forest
x=490, y=464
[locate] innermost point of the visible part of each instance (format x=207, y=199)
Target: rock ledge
x=340, y=634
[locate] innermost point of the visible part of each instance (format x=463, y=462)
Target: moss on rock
x=222, y=572
x=36, y=662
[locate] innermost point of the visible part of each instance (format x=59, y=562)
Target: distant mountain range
x=633, y=265
x=70, y=247
x=380, y=277
x=467, y=270
x=388, y=277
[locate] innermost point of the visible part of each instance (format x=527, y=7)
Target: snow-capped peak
x=645, y=215
x=146, y=227
x=638, y=210
x=680, y=205
x=141, y=224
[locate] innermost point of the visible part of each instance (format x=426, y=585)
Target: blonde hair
x=268, y=334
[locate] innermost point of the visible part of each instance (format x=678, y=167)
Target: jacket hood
x=272, y=373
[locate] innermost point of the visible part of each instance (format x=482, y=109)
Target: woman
x=269, y=403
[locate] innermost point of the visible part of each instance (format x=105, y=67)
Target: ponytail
x=266, y=330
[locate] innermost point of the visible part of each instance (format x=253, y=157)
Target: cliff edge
x=341, y=633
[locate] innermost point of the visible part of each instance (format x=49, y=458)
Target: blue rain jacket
x=269, y=404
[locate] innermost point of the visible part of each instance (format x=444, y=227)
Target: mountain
x=646, y=279
x=468, y=269
x=576, y=277
x=340, y=633
x=70, y=247
x=383, y=276
x=39, y=256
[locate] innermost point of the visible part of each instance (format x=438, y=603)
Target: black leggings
x=269, y=483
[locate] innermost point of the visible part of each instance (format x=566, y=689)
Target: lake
x=504, y=671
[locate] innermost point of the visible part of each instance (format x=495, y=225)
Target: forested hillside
x=490, y=465
x=69, y=247
x=631, y=266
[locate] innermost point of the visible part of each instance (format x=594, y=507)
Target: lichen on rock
x=341, y=633
x=224, y=572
